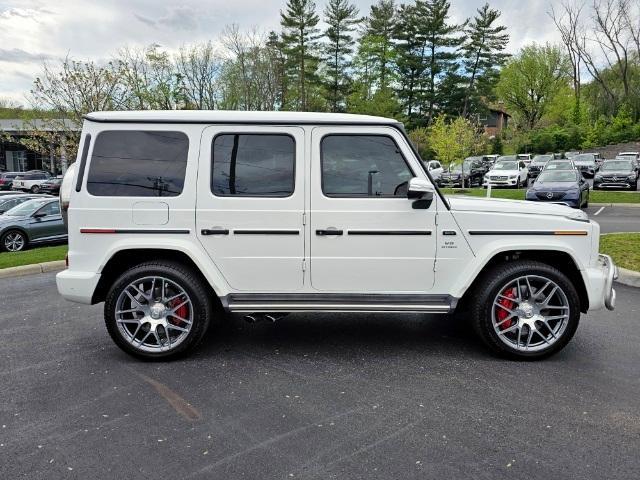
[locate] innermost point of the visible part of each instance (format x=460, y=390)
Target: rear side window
x=130, y=163
x=363, y=166
x=253, y=165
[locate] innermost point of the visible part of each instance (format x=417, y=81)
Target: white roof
x=234, y=116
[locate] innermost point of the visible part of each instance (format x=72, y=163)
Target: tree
x=483, y=52
x=341, y=18
x=530, y=81
x=454, y=141
x=198, y=67
x=300, y=34
x=378, y=39
x=442, y=42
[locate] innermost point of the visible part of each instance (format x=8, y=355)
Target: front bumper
x=627, y=185
x=500, y=183
x=600, y=279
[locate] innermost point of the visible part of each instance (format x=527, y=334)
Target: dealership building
x=16, y=157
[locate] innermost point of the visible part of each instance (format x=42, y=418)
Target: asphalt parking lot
x=615, y=218
x=314, y=397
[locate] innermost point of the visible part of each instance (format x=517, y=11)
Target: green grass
x=35, y=255
x=595, y=196
x=624, y=248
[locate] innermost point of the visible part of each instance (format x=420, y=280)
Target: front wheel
x=158, y=310
x=525, y=310
x=14, y=241
x=34, y=189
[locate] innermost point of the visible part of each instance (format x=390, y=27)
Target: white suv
x=177, y=217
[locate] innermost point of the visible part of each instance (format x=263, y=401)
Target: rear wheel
x=35, y=189
x=14, y=241
x=158, y=310
x=525, y=310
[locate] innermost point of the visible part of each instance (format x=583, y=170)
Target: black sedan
x=469, y=173
x=560, y=186
x=586, y=163
x=617, y=174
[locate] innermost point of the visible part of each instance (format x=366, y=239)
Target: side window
x=363, y=166
x=52, y=208
x=131, y=163
x=253, y=165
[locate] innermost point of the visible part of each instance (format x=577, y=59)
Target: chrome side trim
x=335, y=307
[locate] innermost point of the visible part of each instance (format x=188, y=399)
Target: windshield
x=506, y=157
x=542, y=158
x=584, y=157
x=458, y=168
x=559, y=166
x=612, y=165
x=506, y=166
x=557, y=176
x=27, y=208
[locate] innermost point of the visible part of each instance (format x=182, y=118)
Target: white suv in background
x=30, y=181
x=177, y=217
x=507, y=173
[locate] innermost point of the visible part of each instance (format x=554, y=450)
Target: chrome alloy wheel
x=530, y=313
x=14, y=242
x=154, y=314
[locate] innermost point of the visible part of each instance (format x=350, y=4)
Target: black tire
x=35, y=189
x=189, y=281
x=489, y=285
x=11, y=235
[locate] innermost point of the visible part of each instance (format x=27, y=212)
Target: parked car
x=538, y=163
x=489, y=160
x=567, y=187
x=435, y=169
x=507, y=173
x=633, y=156
x=51, y=186
x=6, y=180
x=525, y=157
x=571, y=154
x=30, y=182
x=36, y=221
x=617, y=174
x=7, y=202
x=586, y=164
x=467, y=174
x=177, y=217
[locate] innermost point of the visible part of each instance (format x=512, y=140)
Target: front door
x=250, y=205
x=365, y=235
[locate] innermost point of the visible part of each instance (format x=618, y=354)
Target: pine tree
x=341, y=18
x=483, y=55
x=300, y=35
x=442, y=42
x=379, y=33
x=275, y=46
x=410, y=54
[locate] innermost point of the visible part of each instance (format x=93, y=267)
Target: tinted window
x=51, y=209
x=138, y=164
x=253, y=165
x=363, y=166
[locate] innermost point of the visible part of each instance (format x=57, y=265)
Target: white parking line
x=598, y=212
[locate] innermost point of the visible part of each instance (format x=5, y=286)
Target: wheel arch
x=124, y=259
x=18, y=228
x=553, y=258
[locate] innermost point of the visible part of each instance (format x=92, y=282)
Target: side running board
x=275, y=302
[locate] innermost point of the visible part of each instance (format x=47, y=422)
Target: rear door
x=250, y=205
x=365, y=235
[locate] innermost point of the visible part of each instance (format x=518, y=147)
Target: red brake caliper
x=501, y=313
x=183, y=311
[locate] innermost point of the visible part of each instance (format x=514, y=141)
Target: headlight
x=631, y=177
x=512, y=177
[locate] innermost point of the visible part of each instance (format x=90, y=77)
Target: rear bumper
x=77, y=286
x=600, y=279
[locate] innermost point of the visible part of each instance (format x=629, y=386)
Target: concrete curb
x=33, y=269
x=628, y=277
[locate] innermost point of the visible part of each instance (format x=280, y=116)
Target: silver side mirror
x=420, y=189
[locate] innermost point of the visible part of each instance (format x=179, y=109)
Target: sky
x=37, y=31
